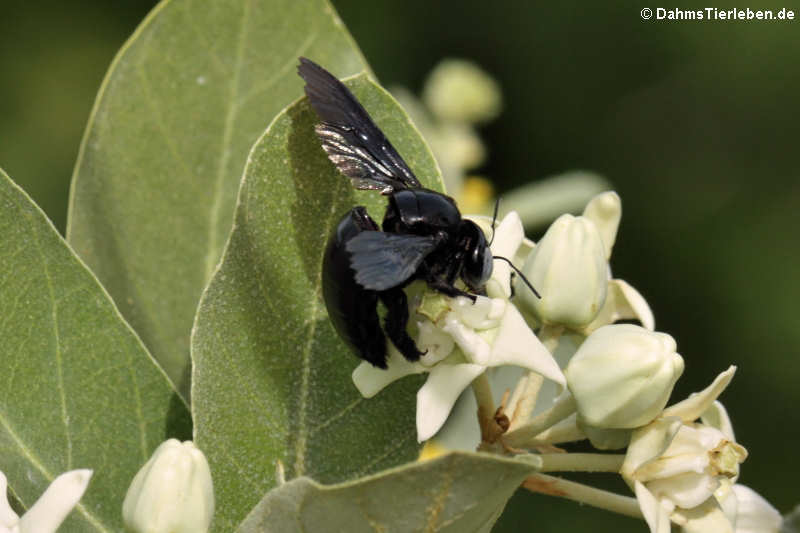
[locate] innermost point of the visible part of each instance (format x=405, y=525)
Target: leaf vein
x=336, y=416
x=281, y=72
x=212, y=254
x=152, y=104
x=303, y=430
x=57, y=338
x=28, y=454
x=389, y=451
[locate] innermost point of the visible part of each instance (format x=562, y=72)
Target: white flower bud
x=623, y=375
x=568, y=267
x=605, y=210
x=172, y=493
x=459, y=91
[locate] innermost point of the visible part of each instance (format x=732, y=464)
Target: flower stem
x=523, y=401
x=483, y=396
x=565, y=431
x=549, y=335
x=555, y=486
x=581, y=462
x=564, y=406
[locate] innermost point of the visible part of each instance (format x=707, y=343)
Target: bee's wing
x=384, y=260
x=349, y=136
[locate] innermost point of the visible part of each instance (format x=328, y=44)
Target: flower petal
x=685, y=490
x=435, y=399
x=473, y=345
x=623, y=302
x=605, y=210
x=726, y=499
x=755, y=514
x=656, y=513
x=8, y=518
x=648, y=443
x=717, y=417
x=705, y=518
x=370, y=380
x=436, y=344
x=631, y=304
x=56, y=503
x=508, y=236
x=696, y=404
x=516, y=345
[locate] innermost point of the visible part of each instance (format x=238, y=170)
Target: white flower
x=50, y=509
x=622, y=376
x=675, y=466
x=569, y=267
x=172, y=493
x=746, y=510
x=462, y=340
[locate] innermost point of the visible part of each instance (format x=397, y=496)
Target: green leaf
x=79, y=390
x=156, y=180
x=271, y=379
x=458, y=493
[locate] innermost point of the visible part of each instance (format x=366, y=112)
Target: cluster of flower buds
x=613, y=380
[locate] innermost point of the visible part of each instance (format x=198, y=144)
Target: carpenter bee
x=422, y=237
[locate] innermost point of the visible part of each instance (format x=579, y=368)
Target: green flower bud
x=622, y=376
x=172, y=493
x=568, y=267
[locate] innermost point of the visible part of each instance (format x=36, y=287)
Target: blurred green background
x=695, y=124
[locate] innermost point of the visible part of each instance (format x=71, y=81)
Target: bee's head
x=477, y=268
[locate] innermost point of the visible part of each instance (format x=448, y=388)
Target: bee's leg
x=362, y=220
x=449, y=290
x=396, y=321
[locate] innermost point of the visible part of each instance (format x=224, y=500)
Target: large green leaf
x=156, y=180
x=457, y=493
x=79, y=389
x=271, y=379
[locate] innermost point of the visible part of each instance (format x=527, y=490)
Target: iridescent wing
x=349, y=136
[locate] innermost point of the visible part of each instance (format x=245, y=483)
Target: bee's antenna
x=528, y=283
x=494, y=218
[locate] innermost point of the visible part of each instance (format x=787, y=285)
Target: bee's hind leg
x=396, y=321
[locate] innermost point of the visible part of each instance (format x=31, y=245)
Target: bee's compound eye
x=488, y=265
x=477, y=266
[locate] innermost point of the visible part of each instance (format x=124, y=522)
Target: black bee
x=422, y=237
